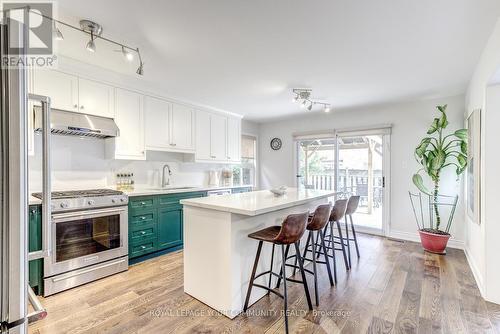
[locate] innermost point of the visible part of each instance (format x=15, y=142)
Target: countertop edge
x=189, y=202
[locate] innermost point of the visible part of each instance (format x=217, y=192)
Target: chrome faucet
x=167, y=182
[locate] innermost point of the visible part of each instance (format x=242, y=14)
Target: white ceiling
x=245, y=56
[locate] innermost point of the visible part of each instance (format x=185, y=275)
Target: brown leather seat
x=338, y=210
x=289, y=232
x=352, y=205
x=320, y=217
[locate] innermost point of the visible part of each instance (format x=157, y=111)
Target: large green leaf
x=463, y=147
x=438, y=160
x=442, y=108
x=443, y=121
x=462, y=160
x=461, y=134
x=434, y=126
x=419, y=183
x=420, y=150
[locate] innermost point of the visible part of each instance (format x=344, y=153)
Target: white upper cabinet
x=233, y=139
x=129, y=116
x=181, y=127
x=203, y=130
x=218, y=125
x=62, y=88
x=218, y=138
x=157, y=123
x=95, y=98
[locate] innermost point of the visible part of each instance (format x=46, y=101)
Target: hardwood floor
x=395, y=287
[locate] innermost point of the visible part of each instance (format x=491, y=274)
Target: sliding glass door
x=353, y=163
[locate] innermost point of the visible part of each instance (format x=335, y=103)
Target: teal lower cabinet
x=35, y=267
x=241, y=190
x=155, y=225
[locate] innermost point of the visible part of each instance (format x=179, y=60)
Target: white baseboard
x=475, y=271
x=402, y=235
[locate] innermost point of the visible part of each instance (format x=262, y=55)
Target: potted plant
x=436, y=152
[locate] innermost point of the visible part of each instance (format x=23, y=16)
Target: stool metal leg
x=348, y=242
x=295, y=263
x=252, y=277
x=354, y=236
x=303, y=274
x=315, y=270
x=271, y=270
x=327, y=260
x=333, y=254
x=339, y=229
x=281, y=270
x=285, y=294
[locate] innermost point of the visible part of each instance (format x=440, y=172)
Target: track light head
x=310, y=107
x=91, y=44
x=140, y=69
x=56, y=32
x=303, y=104
x=296, y=98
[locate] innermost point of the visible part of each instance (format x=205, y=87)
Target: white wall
x=410, y=122
x=480, y=250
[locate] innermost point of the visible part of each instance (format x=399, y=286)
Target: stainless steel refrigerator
x=15, y=293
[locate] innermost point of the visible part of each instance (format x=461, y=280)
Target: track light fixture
x=303, y=95
x=95, y=31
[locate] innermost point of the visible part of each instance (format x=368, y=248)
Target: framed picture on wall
x=473, y=175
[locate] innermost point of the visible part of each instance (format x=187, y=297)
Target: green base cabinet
x=155, y=224
x=35, y=267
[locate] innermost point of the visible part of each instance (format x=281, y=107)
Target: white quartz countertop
x=149, y=191
x=257, y=202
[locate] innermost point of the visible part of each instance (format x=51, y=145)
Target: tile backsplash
x=79, y=163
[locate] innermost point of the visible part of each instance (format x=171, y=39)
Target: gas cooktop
x=77, y=200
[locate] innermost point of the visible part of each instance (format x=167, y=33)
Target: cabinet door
x=95, y=98
x=157, y=121
x=181, y=128
x=62, y=88
x=218, y=126
x=169, y=227
x=202, y=135
x=234, y=139
x=129, y=116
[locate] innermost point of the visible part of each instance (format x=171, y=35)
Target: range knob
x=63, y=205
x=113, y=200
x=122, y=199
x=91, y=202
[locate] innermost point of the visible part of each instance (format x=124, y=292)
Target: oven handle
x=46, y=179
x=85, y=214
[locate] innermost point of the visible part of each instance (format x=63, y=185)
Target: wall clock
x=276, y=144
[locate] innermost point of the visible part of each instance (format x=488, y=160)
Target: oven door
x=84, y=238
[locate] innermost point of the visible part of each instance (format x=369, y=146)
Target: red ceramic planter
x=434, y=243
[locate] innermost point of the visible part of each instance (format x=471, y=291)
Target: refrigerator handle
x=46, y=179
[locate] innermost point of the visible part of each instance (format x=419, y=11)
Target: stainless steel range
x=88, y=237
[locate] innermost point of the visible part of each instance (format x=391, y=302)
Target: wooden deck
x=394, y=288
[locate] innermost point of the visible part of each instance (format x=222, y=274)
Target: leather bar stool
x=316, y=225
x=352, y=206
x=334, y=242
x=289, y=233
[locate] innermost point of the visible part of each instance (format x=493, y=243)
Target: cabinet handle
x=143, y=203
x=143, y=247
x=143, y=218
x=143, y=232
x=213, y=156
x=75, y=106
x=173, y=144
x=81, y=107
x=229, y=158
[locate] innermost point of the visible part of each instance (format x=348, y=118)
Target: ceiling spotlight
x=303, y=104
x=127, y=54
x=56, y=32
x=91, y=44
x=296, y=98
x=310, y=107
x=140, y=69
x=327, y=108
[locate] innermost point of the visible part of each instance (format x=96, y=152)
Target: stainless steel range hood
x=70, y=123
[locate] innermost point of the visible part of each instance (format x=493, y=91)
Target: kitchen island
x=218, y=255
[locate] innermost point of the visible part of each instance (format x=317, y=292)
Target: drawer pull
x=143, y=218
x=143, y=232
x=143, y=203
x=143, y=247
